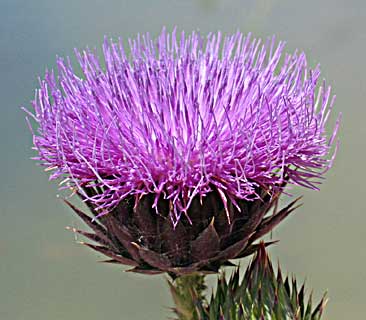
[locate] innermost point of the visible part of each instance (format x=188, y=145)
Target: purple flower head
x=179, y=118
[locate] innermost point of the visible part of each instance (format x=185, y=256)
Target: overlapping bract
x=134, y=235
x=180, y=118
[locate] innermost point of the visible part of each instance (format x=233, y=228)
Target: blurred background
x=45, y=275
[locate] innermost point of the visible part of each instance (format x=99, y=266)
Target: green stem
x=188, y=296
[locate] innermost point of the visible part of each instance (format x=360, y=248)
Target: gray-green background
x=45, y=275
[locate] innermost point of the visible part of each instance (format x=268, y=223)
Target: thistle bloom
x=179, y=127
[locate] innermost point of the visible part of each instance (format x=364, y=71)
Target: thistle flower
x=181, y=149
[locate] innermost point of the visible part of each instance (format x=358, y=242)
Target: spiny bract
x=260, y=295
x=132, y=234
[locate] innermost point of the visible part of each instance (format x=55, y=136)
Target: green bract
x=261, y=294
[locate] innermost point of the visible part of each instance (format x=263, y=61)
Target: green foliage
x=261, y=294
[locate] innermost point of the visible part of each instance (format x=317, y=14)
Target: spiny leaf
x=261, y=294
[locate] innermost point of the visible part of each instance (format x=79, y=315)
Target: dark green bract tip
x=261, y=294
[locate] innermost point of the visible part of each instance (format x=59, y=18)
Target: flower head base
x=132, y=234
x=179, y=119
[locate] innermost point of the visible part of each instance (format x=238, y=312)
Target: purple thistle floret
x=181, y=118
